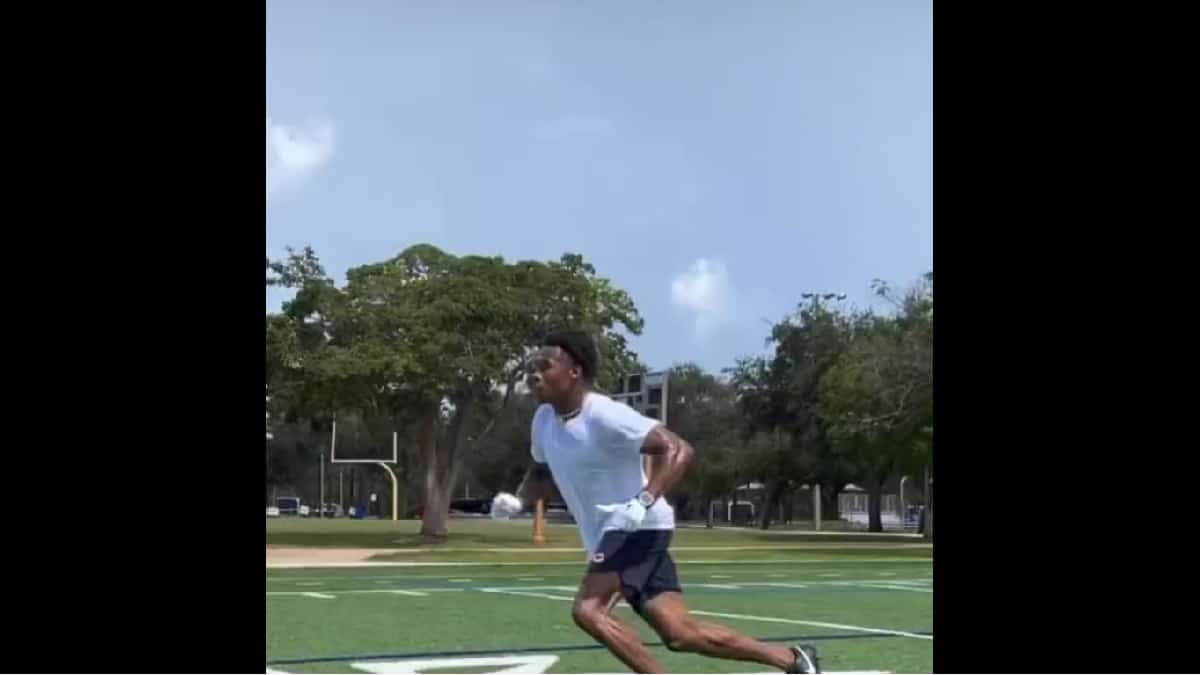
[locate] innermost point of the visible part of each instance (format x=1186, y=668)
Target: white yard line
x=581, y=563
x=384, y=578
x=895, y=587
x=517, y=663
x=565, y=589
x=533, y=663
x=819, y=624
x=715, y=547
x=814, y=582
x=866, y=583
x=527, y=594
x=322, y=596
x=416, y=592
x=809, y=533
x=547, y=596
x=744, y=617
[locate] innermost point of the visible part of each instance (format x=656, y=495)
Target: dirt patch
x=304, y=555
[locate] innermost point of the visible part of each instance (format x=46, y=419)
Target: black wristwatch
x=646, y=499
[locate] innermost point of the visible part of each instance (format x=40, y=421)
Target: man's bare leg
x=668, y=615
x=598, y=594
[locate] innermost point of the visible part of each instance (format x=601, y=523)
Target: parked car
x=471, y=505
x=288, y=506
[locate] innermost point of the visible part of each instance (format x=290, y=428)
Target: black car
x=471, y=505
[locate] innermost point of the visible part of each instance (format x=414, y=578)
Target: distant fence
x=853, y=508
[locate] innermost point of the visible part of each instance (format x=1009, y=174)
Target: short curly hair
x=580, y=346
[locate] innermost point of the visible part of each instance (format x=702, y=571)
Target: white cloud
x=704, y=290
x=296, y=153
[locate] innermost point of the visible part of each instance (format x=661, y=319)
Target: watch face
x=646, y=499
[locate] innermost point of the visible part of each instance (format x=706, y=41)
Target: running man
x=591, y=447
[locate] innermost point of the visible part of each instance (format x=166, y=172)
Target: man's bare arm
x=670, y=459
x=538, y=484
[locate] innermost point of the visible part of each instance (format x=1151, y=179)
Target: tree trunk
x=874, y=505
x=404, y=475
x=441, y=468
x=829, y=501
x=439, y=486
x=928, y=533
x=770, y=503
x=437, y=507
x=433, y=520
x=402, y=497
x=708, y=518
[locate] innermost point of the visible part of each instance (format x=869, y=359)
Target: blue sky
x=715, y=159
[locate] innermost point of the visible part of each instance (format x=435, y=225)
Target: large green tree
x=702, y=409
x=779, y=398
x=878, y=397
x=438, y=342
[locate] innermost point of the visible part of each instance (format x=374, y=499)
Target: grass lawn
x=866, y=601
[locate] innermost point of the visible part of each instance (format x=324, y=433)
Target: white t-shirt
x=596, y=460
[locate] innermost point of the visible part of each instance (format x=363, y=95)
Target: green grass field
x=488, y=600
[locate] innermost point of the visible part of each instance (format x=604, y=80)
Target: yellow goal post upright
x=384, y=462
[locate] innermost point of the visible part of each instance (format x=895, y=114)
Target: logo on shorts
x=598, y=558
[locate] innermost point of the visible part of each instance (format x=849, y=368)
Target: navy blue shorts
x=641, y=560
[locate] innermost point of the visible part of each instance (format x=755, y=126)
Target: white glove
x=505, y=505
x=627, y=515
